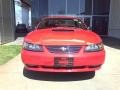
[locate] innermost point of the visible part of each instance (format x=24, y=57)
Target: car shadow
x=47, y=76
x=111, y=42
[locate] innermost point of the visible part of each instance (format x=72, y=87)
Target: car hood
x=62, y=36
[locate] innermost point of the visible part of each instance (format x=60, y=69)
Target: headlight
x=32, y=47
x=94, y=47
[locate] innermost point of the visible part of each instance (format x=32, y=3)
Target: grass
x=8, y=52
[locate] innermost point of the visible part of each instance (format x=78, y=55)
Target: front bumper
x=44, y=61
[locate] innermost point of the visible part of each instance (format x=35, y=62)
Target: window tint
x=85, y=7
x=57, y=7
x=101, y=7
x=100, y=25
x=73, y=7
x=58, y=22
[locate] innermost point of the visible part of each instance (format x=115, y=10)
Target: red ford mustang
x=62, y=44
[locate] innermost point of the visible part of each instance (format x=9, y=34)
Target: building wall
x=0, y=20
x=39, y=8
x=95, y=13
x=114, y=19
x=7, y=24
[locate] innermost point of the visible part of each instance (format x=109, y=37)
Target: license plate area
x=63, y=62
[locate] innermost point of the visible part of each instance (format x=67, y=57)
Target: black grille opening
x=74, y=67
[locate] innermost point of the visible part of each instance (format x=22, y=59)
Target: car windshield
x=61, y=22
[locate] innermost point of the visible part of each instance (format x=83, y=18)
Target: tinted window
x=73, y=7
x=101, y=7
x=59, y=22
x=57, y=7
x=100, y=25
x=85, y=7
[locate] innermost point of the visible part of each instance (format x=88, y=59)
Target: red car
x=62, y=44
